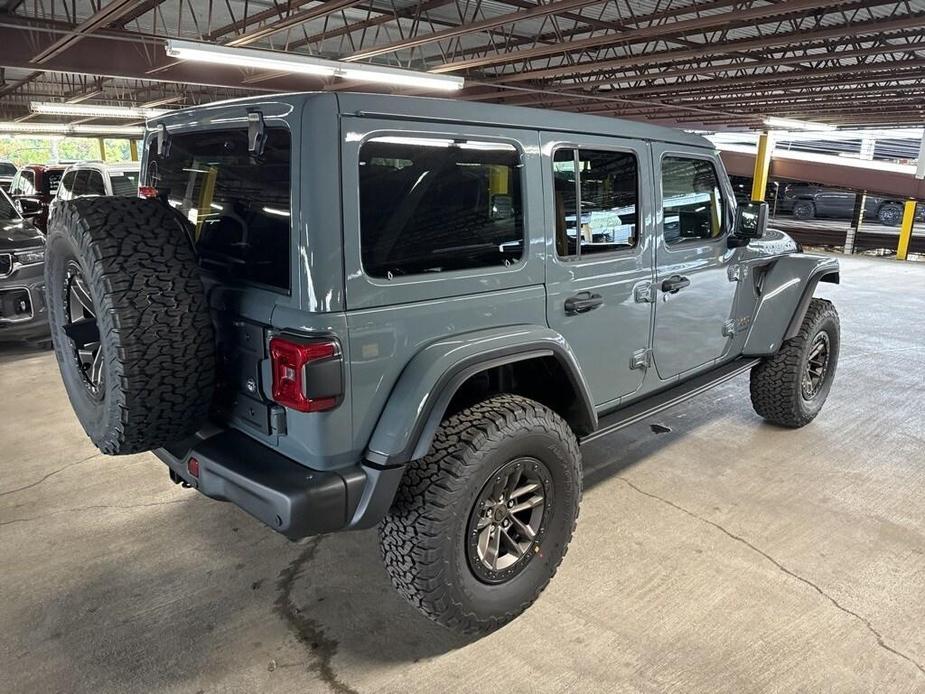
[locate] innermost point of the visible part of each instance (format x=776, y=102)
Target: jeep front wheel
x=480, y=525
x=790, y=387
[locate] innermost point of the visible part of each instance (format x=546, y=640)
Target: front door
x=694, y=286
x=600, y=254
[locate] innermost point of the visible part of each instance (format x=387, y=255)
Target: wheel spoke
x=526, y=489
x=97, y=367
x=493, y=546
x=512, y=544
x=532, y=502
x=79, y=290
x=523, y=528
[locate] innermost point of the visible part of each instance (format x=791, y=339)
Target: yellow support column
x=133, y=149
x=762, y=166
x=102, y=143
x=905, y=231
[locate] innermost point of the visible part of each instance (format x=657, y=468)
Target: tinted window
x=7, y=169
x=692, y=200
x=237, y=204
x=7, y=211
x=432, y=205
x=608, y=184
x=80, y=183
x=124, y=184
x=95, y=185
x=66, y=189
x=26, y=183
x=50, y=181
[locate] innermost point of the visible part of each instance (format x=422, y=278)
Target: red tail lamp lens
x=147, y=192
x=306, y=374
x=192, y=467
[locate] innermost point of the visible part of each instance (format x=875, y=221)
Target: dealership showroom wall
x=462, y=346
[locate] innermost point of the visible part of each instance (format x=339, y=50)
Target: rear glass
x=124, y=184
x=50, y=181
x=237, y=204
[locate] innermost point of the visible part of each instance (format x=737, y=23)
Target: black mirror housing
x=28, y=207
x=751, y=220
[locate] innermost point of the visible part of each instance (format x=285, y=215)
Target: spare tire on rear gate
x=130, y=322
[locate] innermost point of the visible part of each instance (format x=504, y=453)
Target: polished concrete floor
x=724, y=555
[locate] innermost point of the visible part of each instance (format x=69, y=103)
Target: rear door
x=599, y=265
x=695, y=282
x=835, y=203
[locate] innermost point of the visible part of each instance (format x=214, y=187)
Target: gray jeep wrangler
x=343, y=310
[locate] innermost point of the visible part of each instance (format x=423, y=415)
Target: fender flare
x=786, y=292
x=432, y=377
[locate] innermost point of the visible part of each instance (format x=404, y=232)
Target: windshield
x=125, y=183
x=237, y=204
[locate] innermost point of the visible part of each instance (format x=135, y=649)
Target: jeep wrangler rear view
x=338, y=311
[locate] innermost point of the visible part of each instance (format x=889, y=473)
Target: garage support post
x=857, y=218
x=102, y=143
x=133, y=149
x=762, y=166
x=905, y=231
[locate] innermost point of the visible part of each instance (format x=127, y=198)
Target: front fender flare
x=786, y=292
x=425, y=387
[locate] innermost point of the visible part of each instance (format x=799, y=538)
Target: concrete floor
x=723, y=556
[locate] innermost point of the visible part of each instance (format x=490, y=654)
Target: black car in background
x=22, y=280
x=806, y=201
x=7, y=172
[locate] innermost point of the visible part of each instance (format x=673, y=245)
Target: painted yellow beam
x=102, y=143
x=133, y=149
x=762, y=166
x=905, y=231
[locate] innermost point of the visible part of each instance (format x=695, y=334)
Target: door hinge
x=729, y=328
x=641, y=359
x=644, y=292
x=733, y=326
x=737, y=272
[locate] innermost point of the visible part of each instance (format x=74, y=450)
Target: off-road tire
x=890, y=214
x=804, y=209
x=423, y=538
x=155, y=331
x=776, y=388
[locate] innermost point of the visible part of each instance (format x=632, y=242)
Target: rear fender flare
x=431, y=378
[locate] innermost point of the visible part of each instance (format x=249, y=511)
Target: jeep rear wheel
x=890, y=214
x=129, y=321
x=480, y=525
x=790, y=387
x=803, y=209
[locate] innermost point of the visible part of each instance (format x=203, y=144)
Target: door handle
x=582, y=303
x=674, y=284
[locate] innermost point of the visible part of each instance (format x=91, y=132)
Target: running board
x=664, y=399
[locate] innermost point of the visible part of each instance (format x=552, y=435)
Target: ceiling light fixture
x=309, y=65
x=80, y=130
x=791, y=124
x=94, y=111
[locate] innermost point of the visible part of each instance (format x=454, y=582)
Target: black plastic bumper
x=294, y=500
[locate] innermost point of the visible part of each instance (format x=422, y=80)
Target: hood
x=19, y=233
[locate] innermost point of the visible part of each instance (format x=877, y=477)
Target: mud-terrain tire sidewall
x=804, y=209
x=890, y=214
x=776, y=383
x=423, y=539
x=156, y=334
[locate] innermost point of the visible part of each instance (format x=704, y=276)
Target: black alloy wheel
x=817, y=366
x=82, y=329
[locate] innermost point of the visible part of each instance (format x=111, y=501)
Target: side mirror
x=28, y=207
x=751, y=221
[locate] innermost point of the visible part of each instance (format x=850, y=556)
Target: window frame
x=576, y=148
x=449, y=274
x=729, y=204
x=26, y=175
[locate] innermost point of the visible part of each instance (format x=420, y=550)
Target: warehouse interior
x=715, y=552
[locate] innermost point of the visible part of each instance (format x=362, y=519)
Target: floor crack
x=863, y=620
x=89, y=508
x=50, y=474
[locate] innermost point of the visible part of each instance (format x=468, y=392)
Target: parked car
x=22, y=280
x=339, y=311
x=806, y=201
x=33, y=188
x=95, y=179
x=7, y=172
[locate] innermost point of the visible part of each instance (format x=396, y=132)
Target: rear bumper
x=294, y=500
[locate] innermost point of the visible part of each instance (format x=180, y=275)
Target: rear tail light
x=147, y=192
x=307, y=373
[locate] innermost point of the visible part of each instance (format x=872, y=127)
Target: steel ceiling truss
x=726, y=62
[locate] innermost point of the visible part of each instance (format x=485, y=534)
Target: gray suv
x=339, y=311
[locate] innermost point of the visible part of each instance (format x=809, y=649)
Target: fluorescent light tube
x=73, y=130
x=308, y=65
x=791, y=124
x=94, y=111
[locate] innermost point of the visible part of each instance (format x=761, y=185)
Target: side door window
x=600, y=258
x=26, y=183
x=65, y=190
x=693, y=205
